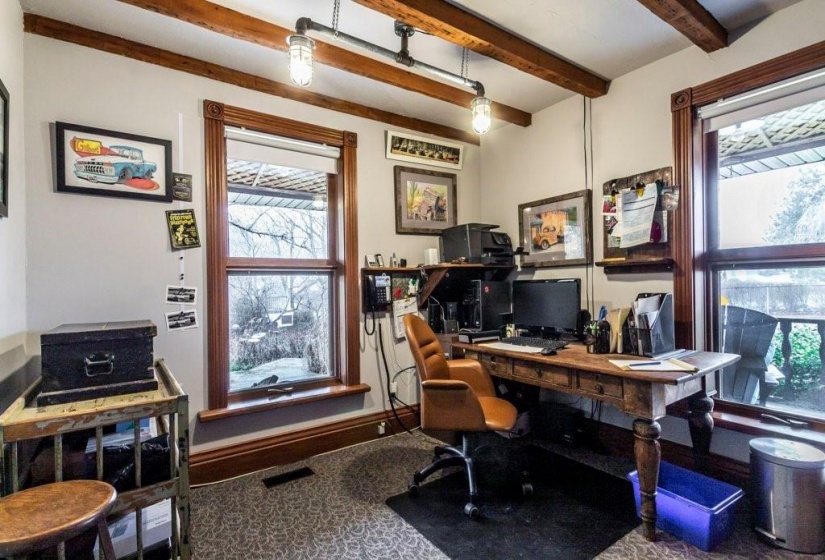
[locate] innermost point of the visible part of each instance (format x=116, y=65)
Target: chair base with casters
x=459, y=458
x=44, y=516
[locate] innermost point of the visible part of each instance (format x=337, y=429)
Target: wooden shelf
x=636, y=265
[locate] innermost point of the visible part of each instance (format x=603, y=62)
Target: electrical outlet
x=382, y=428
x=394, y=388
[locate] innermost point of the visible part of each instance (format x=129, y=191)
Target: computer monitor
x=550, y=307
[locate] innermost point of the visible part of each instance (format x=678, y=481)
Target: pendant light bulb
x=300, y=59
x=482, y=114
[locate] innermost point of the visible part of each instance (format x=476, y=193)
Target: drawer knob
x=600, y=388
x=539, y=371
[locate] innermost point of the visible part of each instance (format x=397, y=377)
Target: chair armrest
x=474, y=374
x=448, y=404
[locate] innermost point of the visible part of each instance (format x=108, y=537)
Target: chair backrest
x=426, y=349
x=747, y=332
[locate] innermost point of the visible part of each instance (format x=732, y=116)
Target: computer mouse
x=548, y=352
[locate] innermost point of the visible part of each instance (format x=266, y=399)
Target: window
x=752, y=244
x=282, y=274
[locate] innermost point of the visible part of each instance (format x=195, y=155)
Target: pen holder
x=597, y=337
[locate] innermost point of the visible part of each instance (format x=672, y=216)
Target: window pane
x=775, y=319
x=279, y=325
x=277, y=212
x=771, y=188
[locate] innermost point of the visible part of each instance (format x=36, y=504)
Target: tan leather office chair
x=456, y=396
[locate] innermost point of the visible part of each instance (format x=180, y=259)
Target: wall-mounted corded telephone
x=377, y=292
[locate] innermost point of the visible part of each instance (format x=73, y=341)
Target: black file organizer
x=659, y=338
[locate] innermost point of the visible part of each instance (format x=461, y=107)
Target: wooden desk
x=645, y=395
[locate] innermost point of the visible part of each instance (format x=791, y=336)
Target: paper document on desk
x=512, y=347
x=654, y=365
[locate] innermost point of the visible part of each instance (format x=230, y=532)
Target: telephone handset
x=378, y=292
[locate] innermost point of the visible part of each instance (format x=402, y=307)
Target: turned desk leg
x=648, y=454
x=701, y=428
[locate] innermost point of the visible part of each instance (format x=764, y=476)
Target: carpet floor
x=339, y=512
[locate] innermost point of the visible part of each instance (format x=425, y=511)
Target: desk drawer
x=541, y=374
x=497, y=365
x=600, y=384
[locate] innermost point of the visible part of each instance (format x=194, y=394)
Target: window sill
x=282, y=401
x=753, y=426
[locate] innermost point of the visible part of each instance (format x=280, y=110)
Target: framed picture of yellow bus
x=556, y=231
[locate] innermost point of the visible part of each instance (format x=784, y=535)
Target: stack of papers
x=654, y=365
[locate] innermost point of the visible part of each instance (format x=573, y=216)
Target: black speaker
x=584, y=318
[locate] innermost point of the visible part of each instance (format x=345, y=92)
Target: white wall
x=632, y=133
x=13, y=228
x=95, y=258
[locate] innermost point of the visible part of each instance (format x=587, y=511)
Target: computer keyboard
x=535, y=341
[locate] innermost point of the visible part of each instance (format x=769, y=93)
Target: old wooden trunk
x=91, y=360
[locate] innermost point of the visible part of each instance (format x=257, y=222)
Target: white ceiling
x=607, y=37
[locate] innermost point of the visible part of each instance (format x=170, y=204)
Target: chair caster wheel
x=527, y=489
x=471, y=510
x=412, y=490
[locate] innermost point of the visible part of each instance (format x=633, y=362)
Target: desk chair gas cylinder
x=456, y=396
x=43, y=516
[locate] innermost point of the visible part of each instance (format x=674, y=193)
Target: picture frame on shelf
x=102, y=162
x=424, y=151
x=379, y=260
x=557, y=231
x=425, y=201
x=4, y=151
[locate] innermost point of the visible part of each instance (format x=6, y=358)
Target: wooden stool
x=44, y=516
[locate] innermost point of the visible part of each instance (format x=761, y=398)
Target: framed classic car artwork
x=555, y=231
x=106, y=163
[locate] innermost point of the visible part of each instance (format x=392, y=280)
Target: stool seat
x=44, y=516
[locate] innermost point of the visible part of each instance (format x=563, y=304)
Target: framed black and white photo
x=556, y=231
x=4, y=151
x=424, y=151
x=107, y=163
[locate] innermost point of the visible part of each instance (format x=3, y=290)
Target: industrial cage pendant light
x=300, y=64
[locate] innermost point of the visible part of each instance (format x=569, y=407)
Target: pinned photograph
x=182, y=320
x=182, y=295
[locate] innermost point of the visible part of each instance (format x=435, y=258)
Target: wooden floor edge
x=215, y=465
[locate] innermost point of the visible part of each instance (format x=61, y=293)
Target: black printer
x=475, y=243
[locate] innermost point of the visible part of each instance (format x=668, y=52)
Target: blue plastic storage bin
x=691, y=506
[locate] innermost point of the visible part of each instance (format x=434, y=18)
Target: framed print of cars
x=107, y=163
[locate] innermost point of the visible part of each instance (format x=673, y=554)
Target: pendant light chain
x=465, y=62
x=336, y=10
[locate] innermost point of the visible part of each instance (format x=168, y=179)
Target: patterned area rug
x=576, y=512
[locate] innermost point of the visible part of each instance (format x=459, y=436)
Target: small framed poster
x=183, y=230
x=182, y=187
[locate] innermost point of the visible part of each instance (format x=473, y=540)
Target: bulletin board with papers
x=636, y=221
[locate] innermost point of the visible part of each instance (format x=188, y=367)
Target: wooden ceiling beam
x=692, y=20
x=69, y=33
x=247, y=28
x=455, y=25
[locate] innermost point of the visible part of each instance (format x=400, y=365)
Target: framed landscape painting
x=107, y=163
x=556, y=231
x=425, y=201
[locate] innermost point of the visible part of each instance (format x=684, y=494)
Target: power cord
x=391, y=395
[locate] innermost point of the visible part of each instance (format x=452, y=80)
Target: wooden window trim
x=692, y=309
x=216, y=117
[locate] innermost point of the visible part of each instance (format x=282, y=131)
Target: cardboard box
x=157, y=529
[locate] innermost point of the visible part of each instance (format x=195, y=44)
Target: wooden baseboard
x=228, y=462
x=619, y=441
